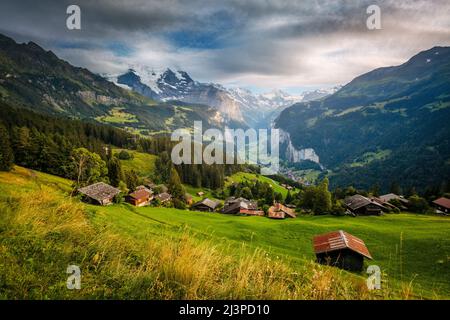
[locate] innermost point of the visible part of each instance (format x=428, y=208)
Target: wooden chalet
x=442, y=205
x=99, y=193
x=279, y=211
x=200, y=193
x=387, y=201
x=392, y=196
x=206, y=205
x=341, y=249
x=141, y=197
x=360, y=205
x=163, y=197
x=241, y=206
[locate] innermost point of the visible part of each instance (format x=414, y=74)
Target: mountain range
x=36, y=79
x=388, y=125
x=237, y=104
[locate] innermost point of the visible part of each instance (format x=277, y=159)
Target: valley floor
x=162, y=253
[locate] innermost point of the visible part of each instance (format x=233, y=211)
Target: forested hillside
x=36, y=79
x=399, y=112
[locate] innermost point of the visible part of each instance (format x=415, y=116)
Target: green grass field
x=408, y=248
x=142, y=163
x=413, y=251
x=245, y=176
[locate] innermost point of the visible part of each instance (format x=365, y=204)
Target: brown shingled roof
x=140, y=194
x=338, y=240
x=99, y=191
x=207, y=202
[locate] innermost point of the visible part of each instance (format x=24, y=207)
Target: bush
x=418, y=204
x=125, y=155
x=156, y=202
x=338, y=208
x=178, y=204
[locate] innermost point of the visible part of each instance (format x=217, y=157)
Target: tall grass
x=43, y=232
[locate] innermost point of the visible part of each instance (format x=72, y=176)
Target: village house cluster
x=103, y=194
x=335, y=248
x=357, y=205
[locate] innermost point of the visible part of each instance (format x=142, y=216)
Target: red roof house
x=341, y=249
x=442, y=204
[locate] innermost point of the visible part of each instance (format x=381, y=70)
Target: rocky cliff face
x=292, y=154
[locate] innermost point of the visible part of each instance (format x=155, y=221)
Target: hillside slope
x=33, y=78
x=128, y=252
x=134, y=256
x=401, y=111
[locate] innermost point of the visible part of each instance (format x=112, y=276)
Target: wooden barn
x=99, y=193
x=241, y=206
x=140, y=197
x=206, y=205
x=442, y=205
x=341, y=249
x=360, y=205
x=392, y=196
x=279, y=211
x=163, y=197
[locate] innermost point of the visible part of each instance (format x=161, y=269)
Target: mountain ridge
x=239, y=104
x=404, y=109
x=36, y=79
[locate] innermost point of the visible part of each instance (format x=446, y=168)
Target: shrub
x=125, y=155
x=179, y=204
x=418, y=204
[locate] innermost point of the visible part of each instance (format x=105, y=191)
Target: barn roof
x=338, y=240
x=392, y=196
x=443, y=202
x=275, y=211
x=140, y=194
x=99, y=191
x=206, y=202
x=163, y=196
x=358, y=201
x=232, y=204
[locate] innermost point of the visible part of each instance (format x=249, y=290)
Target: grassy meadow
x=164, y=253
x=142, y=163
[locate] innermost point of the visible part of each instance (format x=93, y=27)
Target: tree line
x=82, y=151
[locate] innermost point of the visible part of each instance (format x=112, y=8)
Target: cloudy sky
x=257, y=44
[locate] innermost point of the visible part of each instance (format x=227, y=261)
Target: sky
x=256, y=44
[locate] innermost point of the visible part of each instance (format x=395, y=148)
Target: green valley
x=411, y=250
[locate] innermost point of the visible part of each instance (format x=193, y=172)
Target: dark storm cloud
x=254, y=42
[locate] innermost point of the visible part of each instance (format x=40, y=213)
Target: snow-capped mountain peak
x=235, y=104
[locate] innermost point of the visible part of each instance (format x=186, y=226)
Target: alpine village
x=86, y=178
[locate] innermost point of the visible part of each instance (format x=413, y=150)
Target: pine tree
x=6, y=153
x=131, y=179
x=174, y=185
x=288, y=197
x=322, y=199
x=395, y=188
x=115, y=173
x=163, y=166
